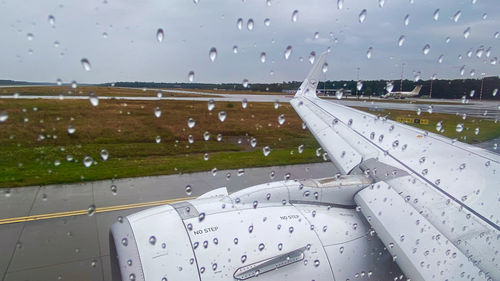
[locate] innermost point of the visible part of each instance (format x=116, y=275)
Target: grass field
x=85, y=90
x=35, y=151
x=35, y=144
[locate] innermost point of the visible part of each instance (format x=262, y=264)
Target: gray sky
x=131, y=51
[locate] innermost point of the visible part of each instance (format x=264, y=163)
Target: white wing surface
x=434, y=201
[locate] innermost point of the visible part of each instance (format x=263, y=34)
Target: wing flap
x=418, y=247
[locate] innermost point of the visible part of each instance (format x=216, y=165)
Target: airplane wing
x=433, y=200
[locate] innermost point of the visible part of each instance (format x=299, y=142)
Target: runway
x=48, y=233
x=480, y=109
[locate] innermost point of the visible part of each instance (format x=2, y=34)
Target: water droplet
x=222, y=116
x=362, y=16
x=85, y=64
x=201, y=217
x=245, y=83
x=426, y=49
x=104, y=154
x=244, y=103
x=406, y=21
x=381, y=3
x=369, y=53
x=312, y=57
x=436, y=15
x=359, y=85
x=152, y=240
x=159, y=35
x=476, y=131
x=157, y=112
x=316, y=263
x=339, y=94
x=71, y=129
x=457, y=15
x=324, y=68
x=158, y=139
x=459, y=128
x=191, y=76
x=263, y=57
x=389, y=86
x=340, y=4
x=87, y=161
x=191, y=122
x=440, y=59
x=341, y=250
x=206, y=136
x=114, y=189
x=288, y=52
x=212, y=54
x=281, y=119
x=253, y=142
x=261, y=246
x=467, y=32
x=211, y=105
x=401, y=40
x=243, y=258
x=52, y=20
x=267, y=22
x=295, y=16
x=91, y=210
x=495, y=92
x=266, y=150
x=239, y=23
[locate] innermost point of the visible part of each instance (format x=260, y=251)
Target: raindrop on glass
x=288, y=52
x=85, y=64
x=212, y=54
x=159, y=35
x=104, y=154
x=222, y=116
x=295, y=16
x=362, y=16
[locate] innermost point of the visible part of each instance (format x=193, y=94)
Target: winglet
x=308, y=87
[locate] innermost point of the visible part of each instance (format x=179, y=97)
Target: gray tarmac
x=75, y=247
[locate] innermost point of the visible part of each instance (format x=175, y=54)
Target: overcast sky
x=131, y=51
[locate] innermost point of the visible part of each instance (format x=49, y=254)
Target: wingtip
x=308, y=87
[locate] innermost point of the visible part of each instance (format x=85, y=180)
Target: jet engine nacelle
x=287, y=230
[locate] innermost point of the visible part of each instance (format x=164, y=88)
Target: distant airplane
x=408, y=204
x=402, y=95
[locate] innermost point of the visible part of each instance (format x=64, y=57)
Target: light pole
x=402, y=71
x=481, y=91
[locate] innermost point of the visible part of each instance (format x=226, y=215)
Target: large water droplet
x=263, y=57
x=362, y=16
x=440, y=59
x=457, y=15
x=245, y=83
x=389, y=86
x=212, y=54
x=244, y=103
x=239, y=23
x=158, y=139
x=157, y=112
x=281, y=119
x=87, y=161
x=288, y=52
x=339, y=94
x=459, y=128
x=401, y=40
x=426, y=49
x=91, y=210
x=191, y=122
x=312, y=57
x=189, y=190
x=381, y=3
x=467, y=32
x=266, y=150
x=435, y=16
x=71, y=129
x=85, y=64
x=113, y=189
x=104, y=154
x=222, y=116
x=94, y=99
x=324, y=68
x=340, y=4
x=253, y=142
x=267, y=22
x=359, y=85
x=52, y=20
x=211, y=105
x=191, y=76
x=159, y=35
x=369, y=53
x=250, y=24
x=295, y=16
x=406, y=21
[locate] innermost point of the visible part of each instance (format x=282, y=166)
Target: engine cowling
x=287, y=230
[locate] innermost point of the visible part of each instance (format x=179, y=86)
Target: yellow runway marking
x=85, y=212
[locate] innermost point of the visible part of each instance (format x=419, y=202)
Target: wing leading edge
x=448, y=190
